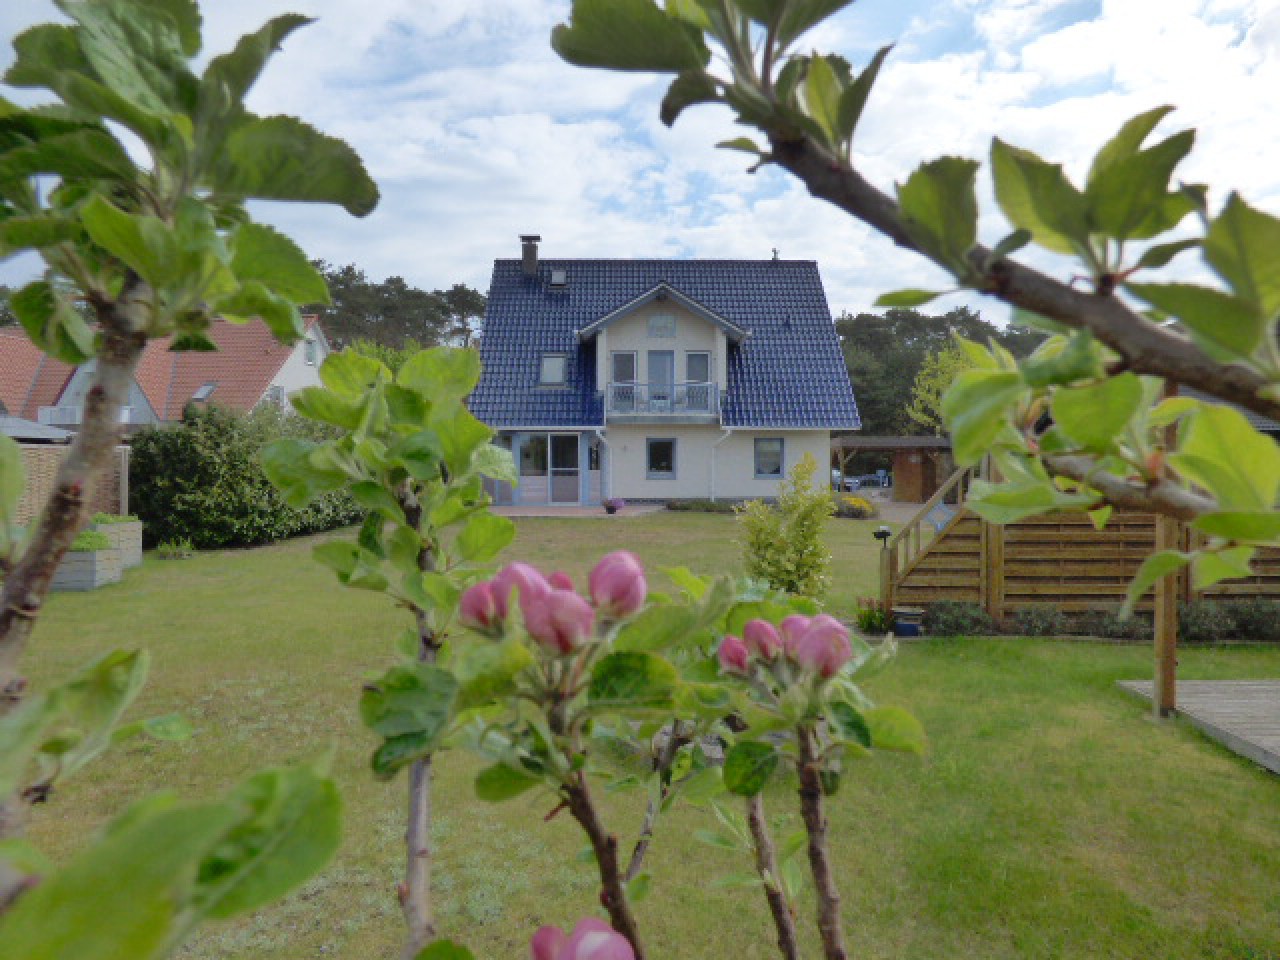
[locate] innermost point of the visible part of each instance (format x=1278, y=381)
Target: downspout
x=728, y=432
x=606, y=477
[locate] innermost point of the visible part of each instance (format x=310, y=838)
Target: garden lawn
x=1051, y=817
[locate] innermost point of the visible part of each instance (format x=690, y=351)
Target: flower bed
x=125, y=534
x=90, y=563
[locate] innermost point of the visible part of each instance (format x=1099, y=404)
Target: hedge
x=200, y=481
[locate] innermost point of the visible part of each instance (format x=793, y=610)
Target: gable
x=663, y=298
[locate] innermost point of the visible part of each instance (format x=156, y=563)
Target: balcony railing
x=663, y=399
x=71, y=416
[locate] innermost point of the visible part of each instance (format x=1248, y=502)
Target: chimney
x=529, y=254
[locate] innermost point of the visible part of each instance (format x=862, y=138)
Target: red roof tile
x=29, y=380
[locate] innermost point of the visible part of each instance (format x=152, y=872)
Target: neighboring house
x=250, y=367
x=659, y=379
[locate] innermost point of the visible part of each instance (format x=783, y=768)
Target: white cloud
x=476, y=131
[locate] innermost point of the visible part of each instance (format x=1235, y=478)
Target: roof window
x=551, y=373
x=205, y=392
x=559, y=279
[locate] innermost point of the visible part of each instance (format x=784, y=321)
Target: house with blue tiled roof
x=659, y=379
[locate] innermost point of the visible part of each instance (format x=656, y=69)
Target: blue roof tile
x=788, y=373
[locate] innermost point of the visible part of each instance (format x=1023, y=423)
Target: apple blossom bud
x=791, y=629
x=548, y=943
x=734, y=655
x=617, y=585
x=520, y=577
x=478, y=608
x=560, y=580
x=824, y=648
x=761, y=638
x=560, y=620
x=594, y=939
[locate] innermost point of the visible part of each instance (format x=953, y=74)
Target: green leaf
x=95, y=701
x=629, y=35
x=1157, y=565
x=975, y=407
x=1059, y=361
x=1010, y=244
x=748, y=765
x=688, y=88
x=1127, y=141
x=848, y=722
x=1212, y=317
x=355, y=567
x=143, y=243
x=282, y=158
x=352, y=375
x=432, y=591
x=893, y=728
x=911, y=297
x=487, y=671
x=374, y=496
x=638, y=888
x=1220, y=451
x=1251, y=526
x=1037, y=196
x=940, y=210
x=495, y=462
x=632, y=679
x=499, y=783
x=317, y=403
x=854, y=99
x=822, y=93
x=415, y=698
x=800, y=15
x=268, y=256
x=52, y=324
x=657, y=628
x=461, y=435
x=1161, y=253
x=293, y=827
x=35, y=233
x=22, y=731
x=1231, y=563
x=1127, y=193
x=742, y=144
x=484, y=537
x=24, y=856
x=441, y=373
x=1093, y=414
x=445, y=950
x=289, y=465
x=87, y=154
x=1243, y=246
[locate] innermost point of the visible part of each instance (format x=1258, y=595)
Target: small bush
x=1255, y=619
x=701, y=506
x=201, y=481
x=1205, y=621
x=175, y=549
x=872, y=618
x=954, y=618
x=87, y=541
x=783, y=544
x=104, y=519
x=1106, y=623
x=1041, y=620
x=855, y=508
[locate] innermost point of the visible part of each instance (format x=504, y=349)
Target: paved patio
x=1242, y=715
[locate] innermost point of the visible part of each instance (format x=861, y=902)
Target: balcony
x=690, y=402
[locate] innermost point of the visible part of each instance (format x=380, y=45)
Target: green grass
x=1051, y=818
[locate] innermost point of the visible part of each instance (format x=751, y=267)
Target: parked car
x=881, y=478
x=850, y=483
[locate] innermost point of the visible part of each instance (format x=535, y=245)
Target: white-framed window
x=660, y=458
x=697, y=367
x=275, y=395
x=662, y=326
x=768, y=458
x=309, y=352
x=624, y=366
x=552, y=371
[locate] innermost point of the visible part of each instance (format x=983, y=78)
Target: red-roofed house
x=249, y=368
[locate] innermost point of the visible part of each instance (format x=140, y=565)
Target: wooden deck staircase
x=946, y=552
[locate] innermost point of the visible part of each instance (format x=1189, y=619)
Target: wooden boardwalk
x=1243, y=715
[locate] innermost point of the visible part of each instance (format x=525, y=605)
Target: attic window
x=559, y=279
x=204, y=393
x=551, y=373
x=662, y=326
x=310, y=352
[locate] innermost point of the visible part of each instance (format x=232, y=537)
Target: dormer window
x=662, y=326
x=204, y=393
x=552, y=372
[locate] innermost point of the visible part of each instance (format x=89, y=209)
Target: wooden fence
x=1057, y=559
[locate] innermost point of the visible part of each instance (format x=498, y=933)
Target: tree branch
x=1144, y=346
x=815, y=823
x=666, y=758
x=1160, y=497
x=784, y=920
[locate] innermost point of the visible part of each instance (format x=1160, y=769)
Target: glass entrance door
x=565, y=487
x=662, y=378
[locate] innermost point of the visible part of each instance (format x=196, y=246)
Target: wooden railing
x=903, y=549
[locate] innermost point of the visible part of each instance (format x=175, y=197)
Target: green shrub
x=200, y=480
x=1205, y=621
x=783, y=544
x=1255, y=619
x=1040, y=620
x=701, y=506
x=175, y=549
x=1106, y=623
x=853, y=507
x=104, y=519
x=87, y=541
x=872, y=618
x=955, y=618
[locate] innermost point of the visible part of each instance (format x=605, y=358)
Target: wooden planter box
x=88, y=570
x=125, y=537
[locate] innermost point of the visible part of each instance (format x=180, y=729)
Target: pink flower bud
x=560, y=580
x=617, y=585
x=824, y=648
x=547, y=943
x=791, y=629
x=478, y=608
x=560, y=620
x=734, y=655
x=522, y=578
x=762, y=639
x=591, y=939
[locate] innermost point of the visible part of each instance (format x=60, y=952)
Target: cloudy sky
x=476, y=132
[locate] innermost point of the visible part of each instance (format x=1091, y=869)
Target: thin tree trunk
x=784, y=920
x=815, y=824
x=613, y=891
x=666, y=758
x=27, y=584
